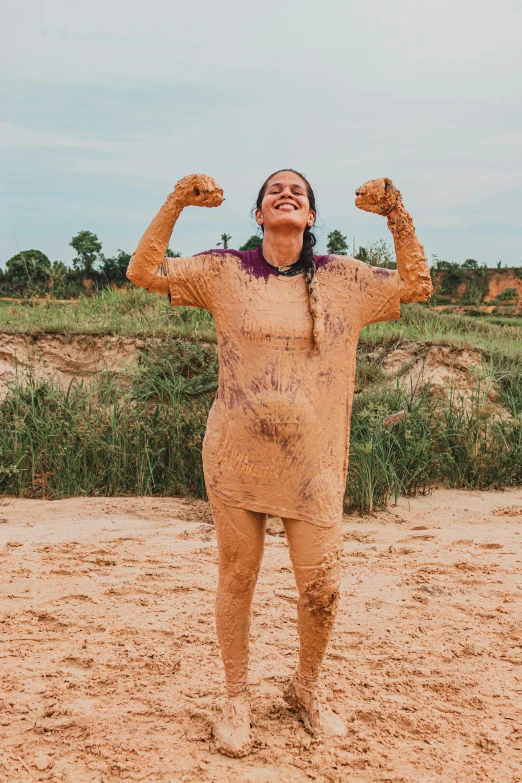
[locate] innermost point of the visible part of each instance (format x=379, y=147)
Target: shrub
x=455, y=443
x=28, y=270
x=506, y=294
x=252, y=243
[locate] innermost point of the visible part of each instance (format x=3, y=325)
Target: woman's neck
x=282, y=250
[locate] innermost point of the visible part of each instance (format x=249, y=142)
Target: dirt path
x=109, y=668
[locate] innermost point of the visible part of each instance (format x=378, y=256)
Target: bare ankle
x=235, y=693
x=306, y=683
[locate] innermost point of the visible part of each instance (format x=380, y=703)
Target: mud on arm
x=147, y=267
x=382, y=197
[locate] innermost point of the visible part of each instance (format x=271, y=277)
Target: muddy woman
x=277, y=435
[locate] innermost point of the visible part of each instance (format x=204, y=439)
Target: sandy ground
x=109, y=667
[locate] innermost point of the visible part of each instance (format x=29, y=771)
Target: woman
x=278, y=432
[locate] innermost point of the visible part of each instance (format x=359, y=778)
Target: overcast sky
x=104, y=105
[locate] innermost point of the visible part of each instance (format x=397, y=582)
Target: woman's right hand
x=198, y=190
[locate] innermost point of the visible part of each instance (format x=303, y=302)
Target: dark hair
x=306, y=258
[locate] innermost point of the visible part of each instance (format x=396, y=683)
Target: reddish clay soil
x=498, y=281
x=110, y=670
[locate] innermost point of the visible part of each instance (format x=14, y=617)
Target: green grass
x=106, y=438
x=454, y=443
x=131, y=312
x=135, y=312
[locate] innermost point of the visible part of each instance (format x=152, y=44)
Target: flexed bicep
x=383, y=198
x=147, y=267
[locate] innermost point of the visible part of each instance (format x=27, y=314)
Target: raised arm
x=146, y=267
x=382, y=197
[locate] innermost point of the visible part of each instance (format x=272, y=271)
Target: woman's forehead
x=286, y=178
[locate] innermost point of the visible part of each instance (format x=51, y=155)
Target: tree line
x=32, y=273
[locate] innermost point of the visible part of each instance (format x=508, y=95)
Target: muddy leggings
x=315, y=554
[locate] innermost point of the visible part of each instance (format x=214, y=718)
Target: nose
x=286, y=193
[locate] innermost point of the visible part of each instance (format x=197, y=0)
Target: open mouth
x=286, y=206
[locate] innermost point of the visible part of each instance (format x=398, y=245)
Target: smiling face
x=285, y=206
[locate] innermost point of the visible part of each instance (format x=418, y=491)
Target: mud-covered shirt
x=277, y=434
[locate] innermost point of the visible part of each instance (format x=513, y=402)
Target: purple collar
x=254, y=262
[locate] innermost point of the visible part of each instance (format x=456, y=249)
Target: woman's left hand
x=378, y=195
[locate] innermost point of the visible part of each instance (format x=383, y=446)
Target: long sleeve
x=383, y=198
x=412, y=264
x=148, y=265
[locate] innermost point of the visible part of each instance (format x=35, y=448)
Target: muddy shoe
x=317, y=716
x=233, y=729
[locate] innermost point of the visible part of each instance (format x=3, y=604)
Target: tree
x=470, y=263
x=88, y=248
x=28, y=268
x=115, y=269
x=439, y=263
x=225, y=238
x=337, y=244
x=171, y=253
x=60, y=281
x=252, y=243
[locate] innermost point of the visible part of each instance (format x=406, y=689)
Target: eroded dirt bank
x=65, y=357
x=110, y=669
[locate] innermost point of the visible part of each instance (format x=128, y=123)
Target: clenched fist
x=198, y=190
x=378, y=195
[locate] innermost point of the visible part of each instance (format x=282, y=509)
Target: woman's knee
x=319, y=587
x=319, y=596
